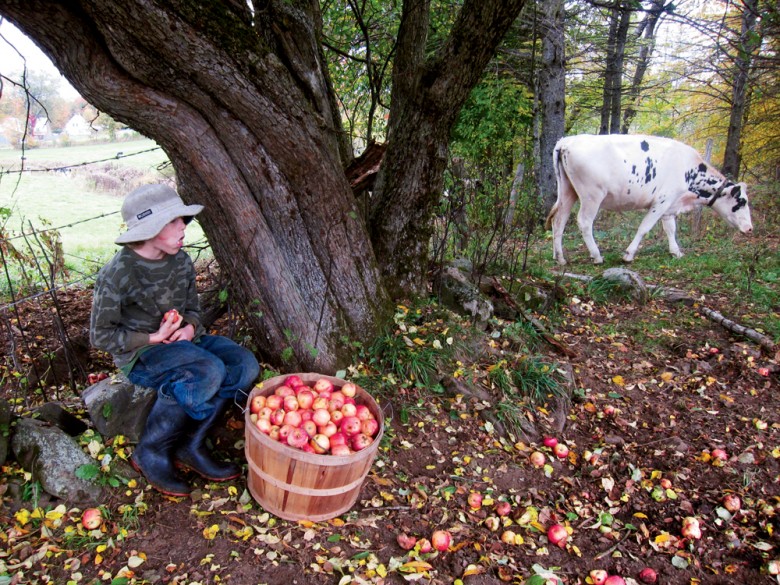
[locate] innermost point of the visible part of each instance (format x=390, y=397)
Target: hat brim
x=150, y=228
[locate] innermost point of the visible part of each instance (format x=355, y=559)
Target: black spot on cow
x=649, y=170
x=633, y=169
x=702, y=168
x=644, y=145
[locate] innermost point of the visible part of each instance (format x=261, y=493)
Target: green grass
x=81, y=205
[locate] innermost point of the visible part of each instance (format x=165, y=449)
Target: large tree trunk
x=243, y=108
x=749, y=42
x=645, y=31
x=552, y=94
x=620, y=19
x=427, y=95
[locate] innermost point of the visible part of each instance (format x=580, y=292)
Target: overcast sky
x=11, y=62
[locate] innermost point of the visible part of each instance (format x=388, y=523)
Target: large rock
x=458, y=293
x=629, y=281
x=52, y=456
x=118, y=407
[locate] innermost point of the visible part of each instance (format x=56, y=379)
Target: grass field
x=82, y=198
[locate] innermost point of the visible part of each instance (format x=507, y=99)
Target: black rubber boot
x=193, y=454
x=153, y=456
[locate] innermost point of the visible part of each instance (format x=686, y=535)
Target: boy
x=145, y=312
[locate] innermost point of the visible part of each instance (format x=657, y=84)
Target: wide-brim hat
x=149, y=208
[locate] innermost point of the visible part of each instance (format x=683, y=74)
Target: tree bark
x=242, y=106
x=552, y=94
x=749, y=42
x=427, y=94
x=646, y=31
x=620, y=19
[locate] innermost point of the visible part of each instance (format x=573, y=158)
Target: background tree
x=238, y=96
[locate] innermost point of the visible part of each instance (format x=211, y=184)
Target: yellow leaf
x=618, y=381
x=305, y=523
x=211, y=532
x=472, y=570
x=415, y=567
x=662, y=538
x=667, y=376
x=387, y=496
x=639, y=515
x=381, y=570
x=419, y=341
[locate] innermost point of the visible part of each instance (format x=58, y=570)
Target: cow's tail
x=558, y=168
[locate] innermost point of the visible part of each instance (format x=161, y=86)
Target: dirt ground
x=652, y=408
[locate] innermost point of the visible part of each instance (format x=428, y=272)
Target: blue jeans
x=195, y=374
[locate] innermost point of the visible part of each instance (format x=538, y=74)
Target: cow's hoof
x=598, y=260
x=628, y=258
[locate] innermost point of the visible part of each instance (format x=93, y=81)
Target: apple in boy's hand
x=171, y=316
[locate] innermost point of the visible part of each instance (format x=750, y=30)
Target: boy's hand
x=169, y=326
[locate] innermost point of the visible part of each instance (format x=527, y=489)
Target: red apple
x=557, y=535
x=297, y=438
x=91, y=518
x=441, y=540
x=263, y=425
x=273, y=434
x=321, y=417
x=503, y=508
x=369, y=427
x=615, y=580
x=691, y=528
x=337, y=416
x=537, y=459
x=648, y=575
x=320, y=403
x=171, y=316
x=425, y=545
x=294, y=381
x=598, y=576
x=306, y=414
x=277, y=417
x=284, y=432
x=561, y=451
x=290, y=403
x=338, y=439
x=340, y=451
x=405, y=541
x=293, y=418
x=305, y=399
x=274, y=401
x=328, y=429
x=475, y=500
x=732, y=503
x=265, y=413
x=362, y=412
x=360, y=442
x=307, y=448
x=347, y=409
x=257, y=402
x=349, y=390
x=323, y=384
x=350, y=426
x=550, y=442
x=284, y=390
x=309, y=427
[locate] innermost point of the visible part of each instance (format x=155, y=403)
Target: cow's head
x=732, y=205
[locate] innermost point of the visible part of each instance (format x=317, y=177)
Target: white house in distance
x=78, y=128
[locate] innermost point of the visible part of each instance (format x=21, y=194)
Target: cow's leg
x=585, y=219
x=647, y=224
x=567, y=197
x=670, y=227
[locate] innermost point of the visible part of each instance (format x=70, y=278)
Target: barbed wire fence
x=41, y=290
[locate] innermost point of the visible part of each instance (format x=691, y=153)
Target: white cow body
x=620, y=172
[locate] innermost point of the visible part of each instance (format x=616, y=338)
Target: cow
x=620, y=172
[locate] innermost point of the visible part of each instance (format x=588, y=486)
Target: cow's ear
x=742, y=189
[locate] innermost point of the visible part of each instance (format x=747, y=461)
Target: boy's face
x=168, y=242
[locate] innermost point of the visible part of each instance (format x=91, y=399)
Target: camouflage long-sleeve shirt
x=130, y=298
